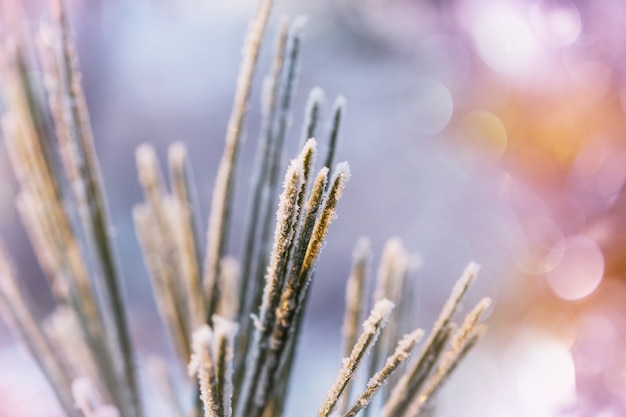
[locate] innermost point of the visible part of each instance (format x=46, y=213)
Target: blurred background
x=486, y=130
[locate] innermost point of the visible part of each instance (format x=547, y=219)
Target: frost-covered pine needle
x=355, y=300
x=371, y=330
x=416, y=407
x=293, y=300
x=294, y=282
x=83, y=172
x=389, y=284
x=391, y=271
x=202, y=365
x=412, y=381
x=167, y=303
x=88, y=334
x=271, y=91
x=228, y=305
x=339, y=110
x=224, y=332
x=16, y=308
x=63, y=329
x=312, y=115
x=337, y=185
x=45, y=212
x=282, y=122
x=186, y=226
x=400, y=355
x=461, y=342
x=285, y=217
x=223, y=192
x=162, y=212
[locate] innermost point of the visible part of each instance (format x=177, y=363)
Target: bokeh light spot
x=432, y=108
x=597, y=344
x=558, y=24
x=542, y=248
x=504, y=39
x=545, y=374
x=580, y=271
x=484, y=132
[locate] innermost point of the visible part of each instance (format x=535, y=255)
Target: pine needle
x=371, y=330
x=223, y=192
x=400, y=355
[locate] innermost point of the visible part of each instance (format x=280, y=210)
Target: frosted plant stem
x=229, y=281
x=282, y=122
x=412, y=381
x=371, y=330
x=150, y=243
x=389, y=284
x=355, y=300
x=83, y=172
x=337, y=185
x=449, y=364
x=278, y=333
x=312, y=115
x=223, y=346
x=283, y=354
x=44, y=212
x=333, y=136
x=186, y=226
x=19, y=312
x=249, y=286
x=286, y=216
x=259, y=179
x=202, y=365
x=405, y=313
x=404, y=348
x=163, y=211
x=461, y=342
x=62, y=328
x=280, y=126
x=314, y=239
x=223, y=192
x=290, y=299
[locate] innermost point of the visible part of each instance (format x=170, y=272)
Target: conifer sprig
x=234, y=323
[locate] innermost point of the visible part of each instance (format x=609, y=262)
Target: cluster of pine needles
x=234, y=324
